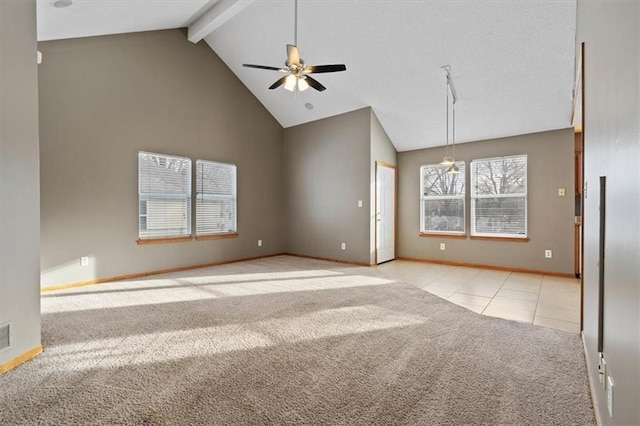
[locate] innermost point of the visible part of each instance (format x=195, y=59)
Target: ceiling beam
x=215, y=17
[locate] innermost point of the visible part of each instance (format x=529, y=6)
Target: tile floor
x=538, y=299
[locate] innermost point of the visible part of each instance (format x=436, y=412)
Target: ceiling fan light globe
x=302, y=84
x=290, y=83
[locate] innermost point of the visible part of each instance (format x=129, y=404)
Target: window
x=164, y=193
x=499, y=197
x=442, y=196
x=215, y=198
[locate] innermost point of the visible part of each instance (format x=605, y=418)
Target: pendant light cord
x=453, y=139
x=447, y=153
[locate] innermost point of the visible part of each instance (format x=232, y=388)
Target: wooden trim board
x=164, y=240
x=147, y=274
x=501, y=239
x=436, y=235
x=21, y=359
x=216, y=236
x=492, y=267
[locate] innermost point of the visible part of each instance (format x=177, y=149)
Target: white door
x=385, y=213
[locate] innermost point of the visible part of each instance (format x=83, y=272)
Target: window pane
x=444, y=215
x=215, y=198
x=164, y=174
x=442, y=199
x=215, y=216
x=164, y=190
x=497, y=176
x=500, y=215
x=436, y=181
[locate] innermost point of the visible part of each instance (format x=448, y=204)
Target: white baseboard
x=594, y=399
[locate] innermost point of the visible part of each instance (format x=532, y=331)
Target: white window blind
x=499, y=197
x=215, y=198
x=164, y=193
x=442, y=199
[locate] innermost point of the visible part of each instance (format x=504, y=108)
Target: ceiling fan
x=297, y=76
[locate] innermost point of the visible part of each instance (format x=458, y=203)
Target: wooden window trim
x=164, y=240
x=503, y=239
x=441, y=235
x=216, y=236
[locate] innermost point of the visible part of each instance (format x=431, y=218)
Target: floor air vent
x=5, y=336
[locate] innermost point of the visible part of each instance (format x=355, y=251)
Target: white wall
x=609, y=30
x=19, y=178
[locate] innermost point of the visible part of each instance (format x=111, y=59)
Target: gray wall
x=550, y=218
x=382, y=149
x=19, y=182
x=327, y=170
x=612, y=141
x=102, y=99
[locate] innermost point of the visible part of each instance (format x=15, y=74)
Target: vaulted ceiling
x=512, y=62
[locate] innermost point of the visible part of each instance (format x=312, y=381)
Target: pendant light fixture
x=449, y=157
x=453, y=169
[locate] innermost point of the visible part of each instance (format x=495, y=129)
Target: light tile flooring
x=539, y=299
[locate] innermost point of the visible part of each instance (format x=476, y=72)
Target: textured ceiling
x=101, y=17
x=512, y=61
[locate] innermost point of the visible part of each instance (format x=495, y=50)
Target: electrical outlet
x=259, y=243
x=84, y=261
x=561, y=192
x=359, y=203
x=343, y=246
x=548, y=254
x=442, y=246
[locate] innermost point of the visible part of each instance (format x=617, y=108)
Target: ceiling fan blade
x=325, y=68
x=293, y=57
x=262, y=67
x=315, y=84
x=278, y=83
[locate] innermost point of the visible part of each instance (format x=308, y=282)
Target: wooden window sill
x=164, y=240
x=439, y=235
x=216, y=236
x=503, y=239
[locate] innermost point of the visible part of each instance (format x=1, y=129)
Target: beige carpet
x=286, y=340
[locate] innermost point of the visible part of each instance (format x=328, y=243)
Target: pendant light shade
x=453, y=169
x=447, y=160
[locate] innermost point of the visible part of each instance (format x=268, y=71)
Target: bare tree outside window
x=442, y=199
x=499, y=196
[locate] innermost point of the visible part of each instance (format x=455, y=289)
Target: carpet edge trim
x=592, y=389
x=492, y=267
x=327, y=259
